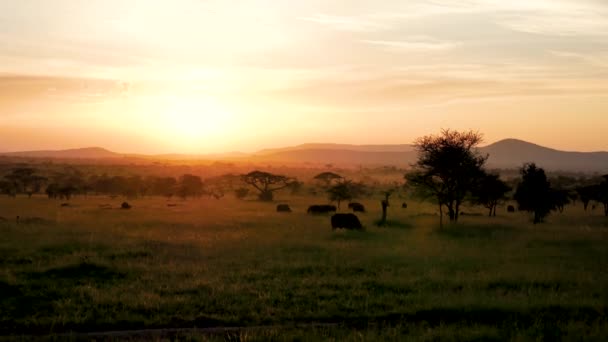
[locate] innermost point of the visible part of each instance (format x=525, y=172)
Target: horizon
x=153, y=154
x=207, y=77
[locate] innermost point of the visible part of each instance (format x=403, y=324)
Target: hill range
x=504, y=154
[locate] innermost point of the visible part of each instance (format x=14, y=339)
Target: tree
x=241, y=193
x=342, y=191
x=601, y=195
x=25, y=180
x=560, y=198
x=447, y=169
x=326, y=178
x=489, y=192
x=189, y=186
x=266, y=183
x=534, y=192
x=586, y=194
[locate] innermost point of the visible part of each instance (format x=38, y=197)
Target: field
x=206, y=263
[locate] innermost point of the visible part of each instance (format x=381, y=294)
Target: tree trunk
x=440, y=215
x=384, y=209
x=266, y=196
x=495, y=205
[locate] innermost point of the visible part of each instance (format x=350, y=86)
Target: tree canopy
x=266, y=183
x=534, y=193
x=447, y=169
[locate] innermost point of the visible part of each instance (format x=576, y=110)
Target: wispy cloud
x=413, y=44
x=347, y=23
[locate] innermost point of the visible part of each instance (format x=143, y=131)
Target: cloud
x=347, y=23
x=413, y=44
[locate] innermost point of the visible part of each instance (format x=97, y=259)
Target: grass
x=227, y=263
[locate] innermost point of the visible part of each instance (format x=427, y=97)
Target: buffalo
x=125, y=205
x=283, y=208
x=321, y=209
x=346, y=221
x=356, y=207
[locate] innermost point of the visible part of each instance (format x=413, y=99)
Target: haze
x=213, y=76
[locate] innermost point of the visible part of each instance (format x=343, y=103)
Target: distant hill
x=510, y=153
x=344, y=157
x=78, y=153
x=343, y=147
x=504, y=154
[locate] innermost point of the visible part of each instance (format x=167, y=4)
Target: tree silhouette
x=25, y=180
x=586, y=194
x=345, y=190
x=602, y=194
x=489, y=191
x=266, y=183
x=534, y=193
x=326, y=178
x=447, y=169
x=189, y=186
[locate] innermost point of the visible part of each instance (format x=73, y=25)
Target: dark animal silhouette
x=321, y=209
x=65, y=204
x=404, y=205
x=283, y=208
x=346, y=221
x=125, y=205
x=511, y=209
x=356, y=207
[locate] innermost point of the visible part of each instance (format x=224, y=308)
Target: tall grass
x=208, y=263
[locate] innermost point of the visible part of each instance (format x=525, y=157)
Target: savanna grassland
x=238, y=263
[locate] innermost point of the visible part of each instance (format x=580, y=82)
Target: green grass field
x=230, y=263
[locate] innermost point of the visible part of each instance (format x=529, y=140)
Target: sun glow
x=192, y=123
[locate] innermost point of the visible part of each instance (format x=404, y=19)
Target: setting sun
x=193, y=120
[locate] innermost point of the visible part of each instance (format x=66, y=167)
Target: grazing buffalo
x=125, y=205
x=346, y=221
x=321, y=209
x=356, y=207
x=404, y=205
x=511, y=209
x=283, y=208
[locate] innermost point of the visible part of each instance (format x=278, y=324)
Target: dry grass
x=239, y=263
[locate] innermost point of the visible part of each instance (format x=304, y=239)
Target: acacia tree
x=345, y=190
x=326, y=178
x=266, y=183
x=534, y=193
x=447, y=169
x=489, y=192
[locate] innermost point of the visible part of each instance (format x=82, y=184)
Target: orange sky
x=197, y=76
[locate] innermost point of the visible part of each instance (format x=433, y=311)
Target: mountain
x=344, y=157
x=344, y=147
x=78, y=153
x=504, y=154
x=511, y=153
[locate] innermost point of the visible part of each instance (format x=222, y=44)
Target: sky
x=207, y=76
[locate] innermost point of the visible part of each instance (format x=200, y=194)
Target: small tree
x=534, y=193
x=345, y=190
x=266, y=183
x=326, y=178
x=241, y=193
x=489, y=192
x=447, y=169
x=602, y=194
x=189, y=186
